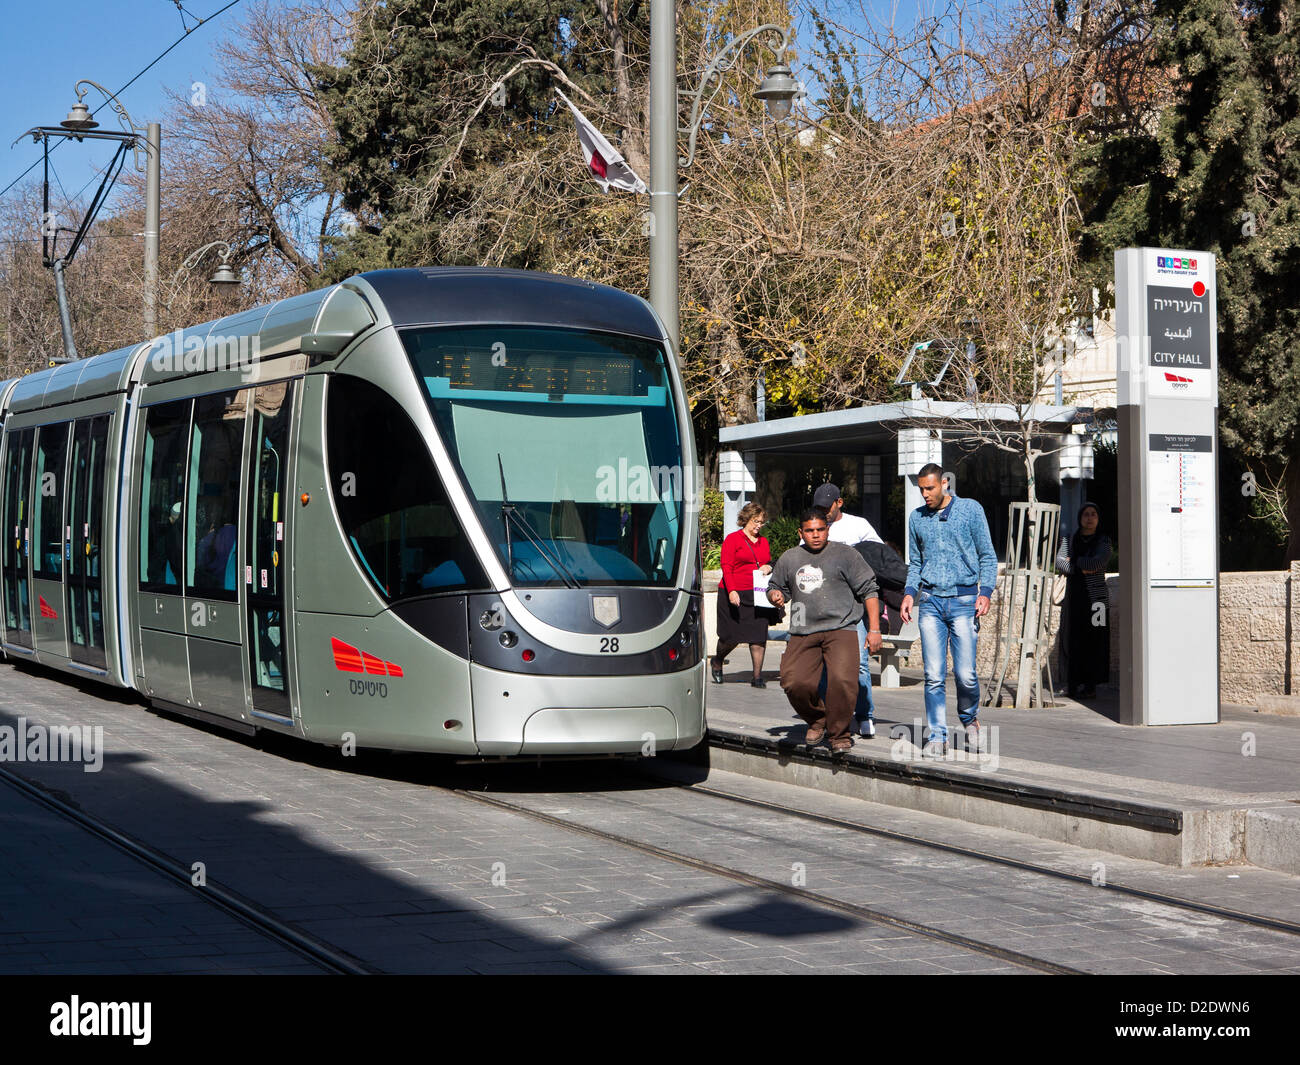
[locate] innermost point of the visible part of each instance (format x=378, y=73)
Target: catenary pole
x=663, y=165
x=152, y=213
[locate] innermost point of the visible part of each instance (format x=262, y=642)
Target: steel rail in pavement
x=1273, y=923
x=864, y=912
x=330, y=958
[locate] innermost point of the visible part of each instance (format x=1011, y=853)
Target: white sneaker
x=935, y=749
x=868, y=728
x=974, y=737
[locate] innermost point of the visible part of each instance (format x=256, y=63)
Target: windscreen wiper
x=509, y=513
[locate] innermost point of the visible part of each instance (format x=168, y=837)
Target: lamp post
x=224, y=274
x=223, y=277
x=79, y=121
x=777, y=90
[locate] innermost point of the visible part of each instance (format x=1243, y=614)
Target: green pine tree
x=1221, y=174
x=406, y=92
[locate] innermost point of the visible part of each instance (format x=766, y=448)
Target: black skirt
x=1085, y=643
x=746, y=623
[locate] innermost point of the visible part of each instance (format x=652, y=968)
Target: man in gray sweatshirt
x=827, y=587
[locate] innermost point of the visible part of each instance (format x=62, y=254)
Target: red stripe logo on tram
x=47, y=611
x=1180, y=380
x=350, y=660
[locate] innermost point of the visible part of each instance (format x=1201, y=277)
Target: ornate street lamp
x=223, y=277
x=144, y=144
x=778, y=90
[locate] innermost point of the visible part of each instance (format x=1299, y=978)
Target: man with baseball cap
x=845, y=528
x=849, y=529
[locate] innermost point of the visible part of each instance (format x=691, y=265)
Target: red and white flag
x=607, y=166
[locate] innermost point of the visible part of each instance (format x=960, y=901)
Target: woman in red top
x=745, y=556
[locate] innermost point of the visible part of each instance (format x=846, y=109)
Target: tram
x=438, y=509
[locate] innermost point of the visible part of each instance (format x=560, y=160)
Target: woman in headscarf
x=1085, y=615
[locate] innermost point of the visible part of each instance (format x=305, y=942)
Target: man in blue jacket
x=950, y=580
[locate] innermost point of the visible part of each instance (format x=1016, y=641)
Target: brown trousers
x=801, y=674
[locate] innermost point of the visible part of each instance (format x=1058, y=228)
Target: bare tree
x=242, y=164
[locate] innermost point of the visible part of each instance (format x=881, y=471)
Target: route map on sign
x=1180, y=509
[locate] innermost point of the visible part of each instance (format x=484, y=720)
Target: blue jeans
x=864, y=709
x=948, y=621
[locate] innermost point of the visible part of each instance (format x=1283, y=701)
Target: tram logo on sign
x=604, y=608
x=47, y=611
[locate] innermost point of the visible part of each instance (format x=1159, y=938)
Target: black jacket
x=891, y=575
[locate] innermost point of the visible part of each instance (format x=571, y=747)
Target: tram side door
x=214, y=633
x=265, y=540
x=86, y=516
x=160, y=603
x=17, y=537
x=50, y=548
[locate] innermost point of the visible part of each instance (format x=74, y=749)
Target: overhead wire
x=59, y=181
x=101, y=236
x=154, y=62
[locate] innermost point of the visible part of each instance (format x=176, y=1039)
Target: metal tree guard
x=1032, y=535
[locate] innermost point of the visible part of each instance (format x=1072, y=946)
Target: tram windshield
x=567, y=442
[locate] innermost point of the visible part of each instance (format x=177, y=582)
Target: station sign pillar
x=1167, y=341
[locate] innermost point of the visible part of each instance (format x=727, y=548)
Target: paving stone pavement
x=409, y=877
x=1068, y=923
x=412, y=878
x=1069, y=744
x=1243, y=888
x=71, y=902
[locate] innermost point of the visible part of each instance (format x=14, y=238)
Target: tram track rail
x=1274, y=924
x=330, y=958
x=865, y=913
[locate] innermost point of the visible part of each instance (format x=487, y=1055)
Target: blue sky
x=51, y=44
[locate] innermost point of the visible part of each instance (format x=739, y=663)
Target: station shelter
x=873, y=454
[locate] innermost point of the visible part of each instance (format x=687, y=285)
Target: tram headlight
x=493, y=618
x=508, y=639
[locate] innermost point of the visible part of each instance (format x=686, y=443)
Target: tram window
x=162, y=491
x=212, y=515
x=579, y=430
x=17, y=519
x=47, y=531
x=390, y=500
